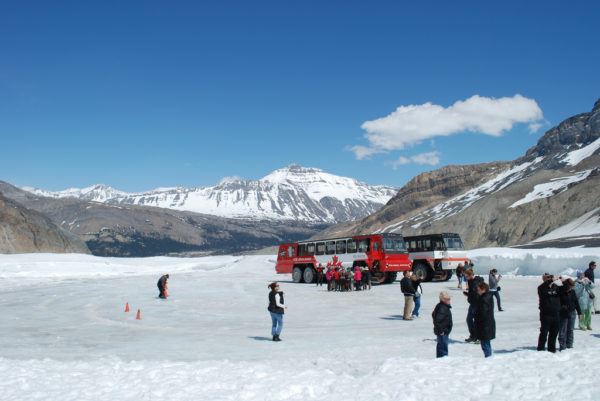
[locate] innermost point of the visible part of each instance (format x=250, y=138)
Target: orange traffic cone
x=127, y=307
x=139, y=315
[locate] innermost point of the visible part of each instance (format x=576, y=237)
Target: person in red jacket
x=357, y=278
x=337, y=278
x=319, y=274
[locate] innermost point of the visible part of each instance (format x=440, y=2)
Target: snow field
x=66, y=337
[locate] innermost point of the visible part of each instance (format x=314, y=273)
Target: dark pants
x=496, y=294
x=548, y=331
x=320, y=279
x=161, y=291
x=486, y=346
x=471, y=320
x=441, y=349
x=565, y=335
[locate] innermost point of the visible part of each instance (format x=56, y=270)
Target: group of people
x=480, y=315
x=340, y=279
x=563, y=302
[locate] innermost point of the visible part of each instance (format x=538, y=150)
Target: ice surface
x=65, y=335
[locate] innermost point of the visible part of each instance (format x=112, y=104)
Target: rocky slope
x=292, y=193
x=26, y=231
x=129, y=230
x=554, y=184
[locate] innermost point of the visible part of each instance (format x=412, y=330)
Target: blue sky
x=146, y=94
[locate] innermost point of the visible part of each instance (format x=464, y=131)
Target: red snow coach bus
x=384, y=254
x=436, y=256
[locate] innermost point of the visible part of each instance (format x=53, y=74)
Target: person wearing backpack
x=472, y=295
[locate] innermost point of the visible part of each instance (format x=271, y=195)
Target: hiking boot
x=276, y=338
x=500, y=310
x=470, y=340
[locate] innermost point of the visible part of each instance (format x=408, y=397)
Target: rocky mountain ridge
x=292, y=193
x=505, y=203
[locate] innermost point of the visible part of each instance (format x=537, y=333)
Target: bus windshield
x=453, y=243
x=394, y=244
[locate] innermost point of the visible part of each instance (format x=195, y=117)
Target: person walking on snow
x=589, y=273
x=485, y=324
x=585, y=295
x=549, y=297
x=568, y=306
x=471, y=294
x=416, y=283
x=493, y=280
x=442, y=324
x=163, y=286
x=276, y=309
x=408, y=290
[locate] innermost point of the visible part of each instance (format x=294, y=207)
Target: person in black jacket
x=276, y=309
x=568, y=306
x=408, y=290
x=162, y=286
x=442, y=324
x=471, y=294
x=485, y=324
x=548, y=293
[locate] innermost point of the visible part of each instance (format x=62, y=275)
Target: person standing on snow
x=568, y=305
x=319, y=275
x=163, y=286
x=493, y=280
x=357, y=278
x=471, y=294
x=589, y=273
x=442, y=324
x=548, y=293
x=485, y=324
x=276, y=309
x=416, y=283
x=585, y=297
x=408, y=290
x=329, y=278
x=460, y=274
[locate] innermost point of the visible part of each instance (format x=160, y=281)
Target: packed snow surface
x=586, y=225
x=65, y=335
x=575, y=157
x=555, y=186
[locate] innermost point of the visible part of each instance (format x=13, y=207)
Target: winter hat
x=579, y=273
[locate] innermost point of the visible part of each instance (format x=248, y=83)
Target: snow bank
x=526, y=262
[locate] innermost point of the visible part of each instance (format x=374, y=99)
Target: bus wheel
x=422, y=271
x=297, y=275
x=309, y=275
x=446, y=275
x=378, y=278
x=390, y=277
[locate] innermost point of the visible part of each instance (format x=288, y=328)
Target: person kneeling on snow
x=163, y=286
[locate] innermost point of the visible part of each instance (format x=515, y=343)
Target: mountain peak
x=596, y=106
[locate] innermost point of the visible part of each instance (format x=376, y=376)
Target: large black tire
x=390, y=277
x=309, y=275
x=423, y=271
x=448, y=275
x=297, y=275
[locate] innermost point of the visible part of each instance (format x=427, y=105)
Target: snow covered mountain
x=291, y=193
x=550, y=195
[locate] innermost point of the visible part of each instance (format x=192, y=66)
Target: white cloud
x=409, y=125
x=429, y=158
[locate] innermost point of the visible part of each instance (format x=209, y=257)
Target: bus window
x=427, y=245
x=340, y=247
x=453, y=243
x=291, y=251
x=330, y=247
x=376, y=246
x=439, y=246
x=363, y=245
x=281, y=252
x=310, y=249
x=301, y=249
x=413, y=245
x=351, y=246
x=320, y=248
x=393, y=245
